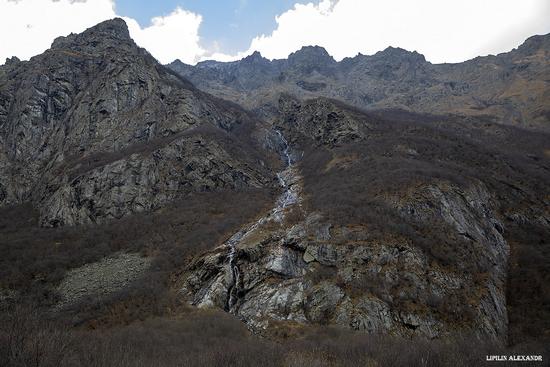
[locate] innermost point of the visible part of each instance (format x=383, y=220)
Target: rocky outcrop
x=314, y=271
x=147, y=180
x=320, y=121
x=394, y=78
x=299, y=275
x=471, y=213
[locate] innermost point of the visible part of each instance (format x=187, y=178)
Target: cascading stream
x=286, y=149
x=287, y=198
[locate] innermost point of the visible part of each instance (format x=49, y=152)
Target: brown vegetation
x=212, y=338
x=36, y=259
x=528, y=292
x=402, y=150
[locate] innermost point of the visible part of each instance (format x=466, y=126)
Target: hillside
x=402, y=223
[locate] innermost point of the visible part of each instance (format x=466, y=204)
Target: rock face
x=95, y=128
x=471, y=213
x=300, y=275
x=386, y=238
x=145, y=181
x=494, y=86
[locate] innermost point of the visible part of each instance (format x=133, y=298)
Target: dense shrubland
x=213, y=338
x=36, y=259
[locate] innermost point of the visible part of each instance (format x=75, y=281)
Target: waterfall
x=235, y=273
x=286, y=148
x=287, y=198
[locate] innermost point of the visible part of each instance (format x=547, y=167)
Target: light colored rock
x=372, y=315
x=283, y=301
x=102, y=278
x=321, y=302
x=308, y=257
x=323, y=253
x=285, y=262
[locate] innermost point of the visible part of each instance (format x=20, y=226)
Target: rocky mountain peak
x=115, y=27
x=105, y=33
x=97, y=94
x=255, y=58
x=311, y=54
x=12, y=61
x=534, y=44
x=311, y=58
x=395, y=78
x=393, y=54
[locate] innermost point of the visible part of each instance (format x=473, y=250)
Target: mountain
x=146, y=221
x=95, y=128
x=512, y=88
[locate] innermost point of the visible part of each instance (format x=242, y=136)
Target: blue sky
x=231, y=24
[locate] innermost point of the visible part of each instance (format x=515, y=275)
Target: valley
x=376, y=211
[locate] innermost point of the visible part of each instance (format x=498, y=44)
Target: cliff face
x=319, y=272
x=495, y=86
x=95, y=128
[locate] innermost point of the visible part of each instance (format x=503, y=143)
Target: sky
x=228, y=25
x=225, y=30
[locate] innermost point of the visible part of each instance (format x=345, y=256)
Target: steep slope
x=401, y=224
x=95, y=128
x=512, y=87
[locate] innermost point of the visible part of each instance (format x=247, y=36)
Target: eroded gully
x=288, y=178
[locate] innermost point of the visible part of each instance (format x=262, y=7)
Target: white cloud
x=175, y=36
x=28, y=27
x=444, y=31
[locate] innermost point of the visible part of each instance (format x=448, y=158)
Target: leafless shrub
x=209, y=338
x=27, y=340
x=35, y=259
